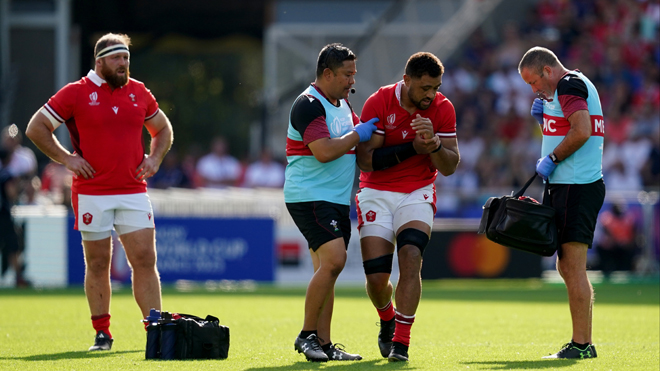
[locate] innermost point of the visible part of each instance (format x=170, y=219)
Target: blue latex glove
x=545, y=167
x=365, y=129
x=537, y=110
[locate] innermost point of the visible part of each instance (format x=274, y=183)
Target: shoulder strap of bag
x=524, y=188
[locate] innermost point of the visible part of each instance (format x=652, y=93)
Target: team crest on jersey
x=132, y=96
x=391, y=119
x=87, y=218
x=371, y=216
x=93, y=99
x=334, y=224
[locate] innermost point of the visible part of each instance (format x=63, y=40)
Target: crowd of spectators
x=218, y=169
x=615, y=43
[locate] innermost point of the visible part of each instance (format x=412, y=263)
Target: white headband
x=113, y=49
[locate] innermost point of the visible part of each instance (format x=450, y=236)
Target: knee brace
x=412, y=236
x=382, y=264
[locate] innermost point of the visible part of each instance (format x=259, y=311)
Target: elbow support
x=386, y=157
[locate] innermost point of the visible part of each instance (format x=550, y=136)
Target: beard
x=112, y=78
x=420, y=104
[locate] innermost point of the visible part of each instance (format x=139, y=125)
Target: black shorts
x=321, y=221
x=8, y=235
x=577, y=207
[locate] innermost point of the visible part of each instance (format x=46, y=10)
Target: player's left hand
x=148, y=167
x=423, y=126
x=545, y=167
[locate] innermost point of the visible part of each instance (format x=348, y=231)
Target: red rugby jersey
x=417, y=171
x=105, y=127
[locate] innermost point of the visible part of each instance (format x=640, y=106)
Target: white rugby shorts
x=382, y=213
x=102, y=213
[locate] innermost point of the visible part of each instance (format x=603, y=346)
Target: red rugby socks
x=402, y=330
x=102, y=323
x=387, y=312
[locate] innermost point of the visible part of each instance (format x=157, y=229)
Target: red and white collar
x=96, y=79
x=397, y=91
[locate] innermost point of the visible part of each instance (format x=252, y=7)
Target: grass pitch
x=460, y=325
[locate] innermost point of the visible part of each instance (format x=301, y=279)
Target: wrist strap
x=439, y=148
x=386, y=157
x=554, y=158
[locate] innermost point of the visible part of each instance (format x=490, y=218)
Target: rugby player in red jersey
x=415, y=138
x=105, y=112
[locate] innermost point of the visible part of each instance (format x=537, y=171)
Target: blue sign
x=196, y=249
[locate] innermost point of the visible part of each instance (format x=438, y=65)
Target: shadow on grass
x=304, y=365
x=69, y=355
x=523, y=365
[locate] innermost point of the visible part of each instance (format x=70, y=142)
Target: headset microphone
x=352, y=90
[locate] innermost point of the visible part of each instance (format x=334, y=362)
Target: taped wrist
x=386, y=157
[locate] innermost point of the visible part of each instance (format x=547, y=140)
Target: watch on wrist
x=554, y=158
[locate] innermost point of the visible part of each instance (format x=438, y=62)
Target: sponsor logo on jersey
x=599, y=125
x=87, y=218
x=426, y=196
x=93, y=99
x=404, y=133
x=115, y=109
x=559, y=126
